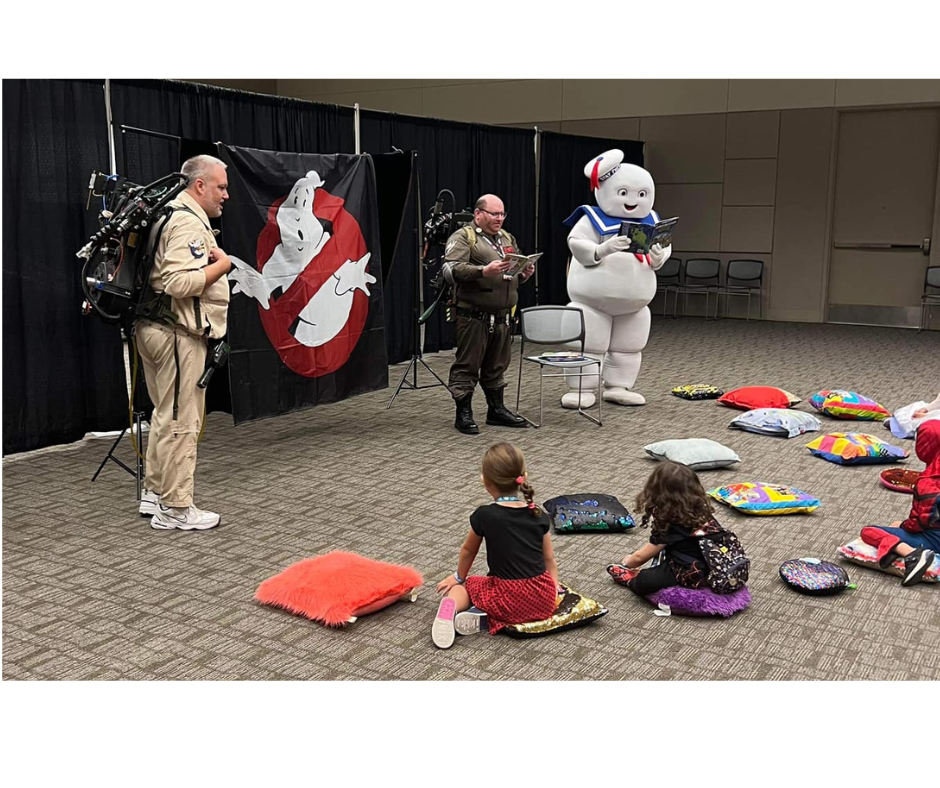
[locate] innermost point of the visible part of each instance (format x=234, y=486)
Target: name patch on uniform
x=197, y=247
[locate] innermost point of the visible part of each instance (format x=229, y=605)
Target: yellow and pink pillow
x=842, y=404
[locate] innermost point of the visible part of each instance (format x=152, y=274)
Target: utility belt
x=490, y=319
x=157, y=310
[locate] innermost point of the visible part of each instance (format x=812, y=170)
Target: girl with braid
x=522, y=582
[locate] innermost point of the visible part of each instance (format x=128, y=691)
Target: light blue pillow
x=698, y=453
x=776, y=421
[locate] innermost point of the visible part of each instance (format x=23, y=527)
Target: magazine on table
x=643, y=236
x=563, y=355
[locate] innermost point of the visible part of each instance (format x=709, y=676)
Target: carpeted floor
x=90, y=591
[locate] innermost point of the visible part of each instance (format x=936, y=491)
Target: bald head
x=489, y=214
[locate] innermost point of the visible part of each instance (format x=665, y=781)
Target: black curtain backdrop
x=562, y=188
x=63, y=373
x=470, y=160
x=210, y=114
x=396, y=185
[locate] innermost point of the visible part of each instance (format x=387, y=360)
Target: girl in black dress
x=522, y=582
x=674, y=499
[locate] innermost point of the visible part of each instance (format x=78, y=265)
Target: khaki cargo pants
x=173, y=363
x=481, y=356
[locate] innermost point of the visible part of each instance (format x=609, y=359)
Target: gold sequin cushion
x=697, y=391
x=573, y=610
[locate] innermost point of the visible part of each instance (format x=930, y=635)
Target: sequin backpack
x=728, y=566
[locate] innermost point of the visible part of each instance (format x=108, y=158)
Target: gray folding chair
x=556, y=325
x=667, y=279
x=744, y=277
x=701, y=276
x=931, y=296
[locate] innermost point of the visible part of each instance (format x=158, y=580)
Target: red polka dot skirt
x=513, y=601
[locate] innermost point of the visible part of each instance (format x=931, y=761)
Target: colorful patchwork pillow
x=855, y=448
x=338, y=587
x=848, y=405
x=697, y=391
x=751, y=397
x=573, y=610
x=815, y=577
x=899, y=480
x=593, y=512
x=698, y=453
x=762, y=498
x=776, y=421
x=866, y=555
x=680, y=601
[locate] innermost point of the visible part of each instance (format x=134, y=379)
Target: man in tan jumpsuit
x=190, y=305
x=484, y=303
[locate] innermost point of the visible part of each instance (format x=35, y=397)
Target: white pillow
x=698, y=453
x=776, y=421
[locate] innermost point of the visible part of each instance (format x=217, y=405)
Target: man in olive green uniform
x=189, y=305
x=485, y=299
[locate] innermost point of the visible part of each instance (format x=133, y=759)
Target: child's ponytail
x=529, y=492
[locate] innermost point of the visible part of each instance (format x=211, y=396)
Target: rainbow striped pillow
x=855, y=448
x=848, y=405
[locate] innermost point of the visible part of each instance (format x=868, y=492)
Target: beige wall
x=746, y=164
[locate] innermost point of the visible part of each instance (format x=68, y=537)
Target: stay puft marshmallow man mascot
x=610, y=285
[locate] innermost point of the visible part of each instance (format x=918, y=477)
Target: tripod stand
x=419, y=319
x=138, y=418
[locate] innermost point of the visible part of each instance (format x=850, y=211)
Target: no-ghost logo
x=311, y=282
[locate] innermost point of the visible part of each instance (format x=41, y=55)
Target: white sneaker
x=471, y=622
x=442, y=630
x=149, y=501
x=168, y=518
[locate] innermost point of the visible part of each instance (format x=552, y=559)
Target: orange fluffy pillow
x=752, y=397
x=333, y=587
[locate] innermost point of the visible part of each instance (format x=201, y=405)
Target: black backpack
x=728, y=566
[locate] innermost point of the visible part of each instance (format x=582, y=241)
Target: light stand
x=138, y=418
x=417, y=357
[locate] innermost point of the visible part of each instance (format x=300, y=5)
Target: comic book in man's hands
x=643, y=236
x=519, y=263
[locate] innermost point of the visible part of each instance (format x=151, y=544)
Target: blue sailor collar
x=604, y=224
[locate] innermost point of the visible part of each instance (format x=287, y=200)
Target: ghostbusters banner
x=306, y=324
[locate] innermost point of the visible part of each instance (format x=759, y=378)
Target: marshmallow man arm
x=582, y=241
x=659, y=255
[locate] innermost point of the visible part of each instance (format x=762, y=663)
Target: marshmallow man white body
x=611, y=286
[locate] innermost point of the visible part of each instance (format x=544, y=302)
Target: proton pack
x=119, y=257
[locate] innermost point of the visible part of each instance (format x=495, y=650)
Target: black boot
x=464, y=421
x=497, y=414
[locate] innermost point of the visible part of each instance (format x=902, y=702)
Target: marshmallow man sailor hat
x=600, y=168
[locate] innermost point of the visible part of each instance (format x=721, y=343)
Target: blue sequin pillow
x=588, y=512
